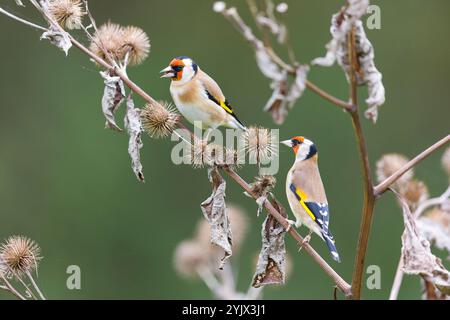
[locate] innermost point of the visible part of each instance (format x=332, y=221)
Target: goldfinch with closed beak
x=198, y=97
x=306, y=194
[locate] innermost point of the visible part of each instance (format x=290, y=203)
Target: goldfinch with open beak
x=198, y=97
x=306, y=194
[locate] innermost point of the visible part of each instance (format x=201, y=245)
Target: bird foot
x=305, y=240
x=291, y=223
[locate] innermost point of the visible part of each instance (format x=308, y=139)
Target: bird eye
x=177, y=68
x=295, y=142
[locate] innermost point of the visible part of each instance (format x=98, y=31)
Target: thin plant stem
x=35, y=286
x=11, y=289
x=432, y=202
x=28, y=23
x=383, y=186
x=397, y=281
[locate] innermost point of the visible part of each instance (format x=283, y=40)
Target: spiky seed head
x=136, y=43
x=259, y=145
x=20, y=255
x=189, y=258
x=446, y=161
x=68, y=13
x=109, y=38
x=263, y=185
x=415, y=192
x=390, y=163
x=159, y=119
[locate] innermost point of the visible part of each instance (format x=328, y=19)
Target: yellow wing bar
x=302, y=197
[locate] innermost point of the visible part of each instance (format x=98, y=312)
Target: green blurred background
x=66, y=182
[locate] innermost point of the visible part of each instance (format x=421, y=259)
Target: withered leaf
x=416, y=253
x=113, y=96
x=133, y=126
x=58, y=38
x=271, y=266
x=277, y=103
x=214, y=210
x=337, y=50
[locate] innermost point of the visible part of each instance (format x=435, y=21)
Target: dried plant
x=19, y=258
x=113, y=48
x=68, y=13
x=159, y=120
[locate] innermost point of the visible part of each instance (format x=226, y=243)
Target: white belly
x=193, y=114
x=204, y=114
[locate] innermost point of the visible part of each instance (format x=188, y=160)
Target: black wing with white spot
x=322, y=215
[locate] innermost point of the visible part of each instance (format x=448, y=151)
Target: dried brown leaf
x=58, y=38
x=113, y=96
x=416, y=253
x=271, y=266
x=214, y=210
x=133, y=126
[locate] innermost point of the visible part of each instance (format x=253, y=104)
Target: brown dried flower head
x=415, y=192
x=159, y=119
x=208, y=155
x=189, y=258
x=259, y=145
x=121, y=42
x=68, y=13
x=263, y=185
x=390, y=163
x=109, y=38
x=446, y=161
x=136, y=43
x=20, y=255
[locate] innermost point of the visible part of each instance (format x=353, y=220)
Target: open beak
x=287, y=143
x=167, y=72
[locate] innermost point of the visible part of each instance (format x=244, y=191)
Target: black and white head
x=303, y=148
x=180, y=70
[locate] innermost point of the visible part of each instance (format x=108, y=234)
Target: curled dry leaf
x=113, y=96
x=337, y=50
x=133, y=126
x=416, y=254
x=58, y=38
x=277, y=103
x=214, y=210
x=284, y=97
x=271, y=266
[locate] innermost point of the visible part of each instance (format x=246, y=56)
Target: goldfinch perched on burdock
x=306, y=194
x=198, y=97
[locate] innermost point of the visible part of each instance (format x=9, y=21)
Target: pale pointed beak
x=287, y=143
x=167, y=72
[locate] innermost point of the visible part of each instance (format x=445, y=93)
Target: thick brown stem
x=369, y=198
x=343, y=286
